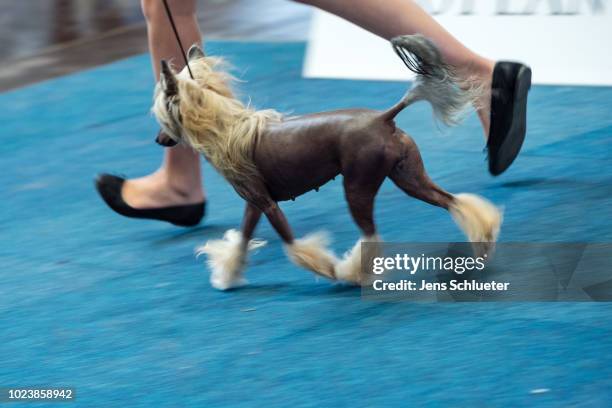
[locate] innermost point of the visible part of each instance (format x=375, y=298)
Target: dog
x=269, y=158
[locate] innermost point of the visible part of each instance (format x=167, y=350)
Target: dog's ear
x=195, y=52
x=168, y=80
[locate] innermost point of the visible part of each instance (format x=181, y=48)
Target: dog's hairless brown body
x=359, y=144
x=291, y=168
x=295, y=155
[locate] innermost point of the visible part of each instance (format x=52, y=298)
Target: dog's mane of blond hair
x=214, y=122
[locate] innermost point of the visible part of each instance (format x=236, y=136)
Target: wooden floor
x=46, y=39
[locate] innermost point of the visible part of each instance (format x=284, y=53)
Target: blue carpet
x=122, y=311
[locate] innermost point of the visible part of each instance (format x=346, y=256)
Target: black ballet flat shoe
x=511, y=84
x=109, y=187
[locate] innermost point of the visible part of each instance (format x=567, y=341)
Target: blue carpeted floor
x=121, y=310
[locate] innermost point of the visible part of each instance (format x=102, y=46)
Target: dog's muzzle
x=163, y=139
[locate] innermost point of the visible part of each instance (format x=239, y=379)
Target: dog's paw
x=347, y=270
x=226, y=280
x=227, y=259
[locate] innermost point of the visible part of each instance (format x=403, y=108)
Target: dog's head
x=177, y=92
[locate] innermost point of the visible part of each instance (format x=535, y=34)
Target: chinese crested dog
x=269, y=158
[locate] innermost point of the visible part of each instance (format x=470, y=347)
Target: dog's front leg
x=309, y=252
x=227, y=256
x=251, y=218
x=279, y=222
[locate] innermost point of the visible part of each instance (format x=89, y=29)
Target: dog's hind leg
x=479, y=219
x=227, y=256
x=309, y=252
x=410, y=176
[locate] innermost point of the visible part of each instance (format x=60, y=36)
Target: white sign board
x=564, y=41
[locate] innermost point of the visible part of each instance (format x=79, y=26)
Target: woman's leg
x=178, y=181
x=389, y=18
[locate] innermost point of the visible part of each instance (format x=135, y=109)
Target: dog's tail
x=435, y=81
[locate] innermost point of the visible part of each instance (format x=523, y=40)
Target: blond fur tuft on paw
x=227, y=258
x=311, y=253
x=348, y=269
x=479, y=219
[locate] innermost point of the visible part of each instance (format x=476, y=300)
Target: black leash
x=178, y=39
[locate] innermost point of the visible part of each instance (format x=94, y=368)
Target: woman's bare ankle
x=160, y=190
x=483, y=106
x=478, y=75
